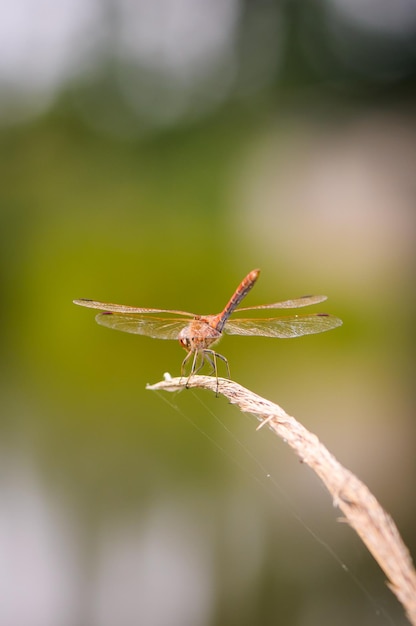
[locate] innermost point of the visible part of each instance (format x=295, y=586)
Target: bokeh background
x=152, y=153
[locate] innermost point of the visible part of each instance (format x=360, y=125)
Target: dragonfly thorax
x=198, y=335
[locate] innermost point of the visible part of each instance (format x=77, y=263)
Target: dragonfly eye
x=185, y=343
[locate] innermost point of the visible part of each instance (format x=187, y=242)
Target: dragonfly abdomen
x=242, y=290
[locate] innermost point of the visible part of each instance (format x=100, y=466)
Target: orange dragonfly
x=197, y=333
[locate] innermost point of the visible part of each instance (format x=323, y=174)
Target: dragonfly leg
x=199, y=358
x=220, y=356
x=194, y=368
x=184, y=362
x=212, y=359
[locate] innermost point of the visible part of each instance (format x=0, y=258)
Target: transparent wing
x=156, y=327
x=283, y=327
x=124, y=308
x=297, y=303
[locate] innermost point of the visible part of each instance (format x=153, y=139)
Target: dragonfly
x=197, y=334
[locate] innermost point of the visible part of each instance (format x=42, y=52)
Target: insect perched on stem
x=198, y=333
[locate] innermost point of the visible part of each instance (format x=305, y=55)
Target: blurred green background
x=152, y=153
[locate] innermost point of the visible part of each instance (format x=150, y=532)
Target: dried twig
x=361, y=509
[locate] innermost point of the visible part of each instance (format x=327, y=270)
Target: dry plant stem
x=361, y=509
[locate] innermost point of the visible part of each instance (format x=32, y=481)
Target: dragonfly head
x=187, y=339
x=198, y=335
x=185, y=343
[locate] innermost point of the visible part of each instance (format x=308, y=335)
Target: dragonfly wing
x=124, y=308
x=297, y=303
x=156, y=327
x=283, y=327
